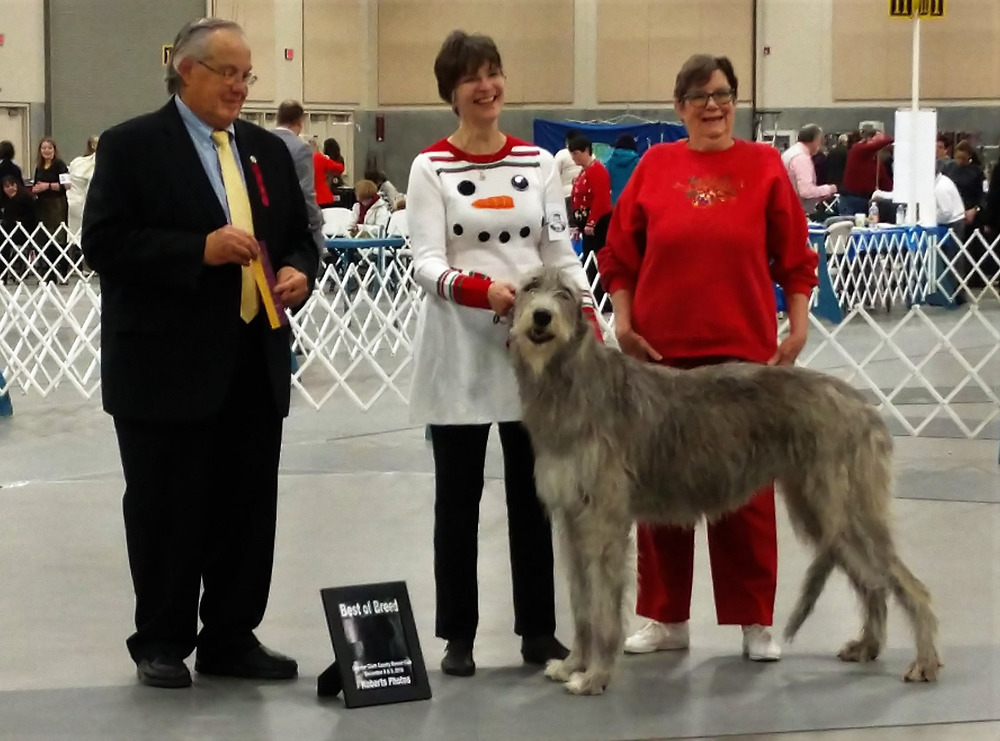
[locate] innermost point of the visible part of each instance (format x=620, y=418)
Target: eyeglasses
x=231, y=75
x=721, y=97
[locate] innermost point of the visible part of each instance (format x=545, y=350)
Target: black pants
x=459, y=459
x=200, y=503
x=592, y=243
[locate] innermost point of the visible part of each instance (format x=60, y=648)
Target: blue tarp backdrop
x=551, y=135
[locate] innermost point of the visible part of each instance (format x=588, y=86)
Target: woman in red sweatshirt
x=700, y=233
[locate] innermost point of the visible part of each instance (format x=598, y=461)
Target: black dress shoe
x=257, y=663
x=540, y=649
x=163, y=671
x=457, y=659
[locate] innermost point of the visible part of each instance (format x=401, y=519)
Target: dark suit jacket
x=170, y=324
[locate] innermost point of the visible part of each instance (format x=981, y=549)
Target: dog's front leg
x=608, y=539
x=580, y=602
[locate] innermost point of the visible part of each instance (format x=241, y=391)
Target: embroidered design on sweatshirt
x=708, y=191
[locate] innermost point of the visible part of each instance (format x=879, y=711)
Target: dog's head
x=547, y=317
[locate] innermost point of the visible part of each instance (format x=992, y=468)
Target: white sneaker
x=656, y=636
x=758, y=645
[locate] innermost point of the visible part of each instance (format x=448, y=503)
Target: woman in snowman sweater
x=485, y=209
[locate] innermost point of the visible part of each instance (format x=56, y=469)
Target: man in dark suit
x=197, y=381
x=289, y=129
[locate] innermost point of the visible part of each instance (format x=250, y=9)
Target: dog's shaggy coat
x=617, y=440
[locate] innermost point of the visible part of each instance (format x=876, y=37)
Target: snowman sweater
x=475, y=219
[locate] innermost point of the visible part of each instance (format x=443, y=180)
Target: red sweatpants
x=743, y=549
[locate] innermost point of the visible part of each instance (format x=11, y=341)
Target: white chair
x=337, y=222
x=398, y=226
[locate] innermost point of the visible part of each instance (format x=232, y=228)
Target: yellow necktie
x=240, y=217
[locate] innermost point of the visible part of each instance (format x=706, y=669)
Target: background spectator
x=621, y=163
x=8, y=167
x=18, y=219
x=81, y=170
x=51, y=182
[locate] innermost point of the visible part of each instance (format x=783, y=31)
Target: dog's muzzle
x=539, y=332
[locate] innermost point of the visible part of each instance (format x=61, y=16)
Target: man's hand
x=589, y=230
x=501, y=297
x=789, y=349
x=230, y=245
x=634, y=344
x=292, y=286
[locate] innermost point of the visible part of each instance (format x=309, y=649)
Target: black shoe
x=457, y=659
x=163, y=671
x=258, y=663
x=540, y=649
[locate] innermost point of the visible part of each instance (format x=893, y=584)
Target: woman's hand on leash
x=500, y=294
x=634, y=344
x=789, y=349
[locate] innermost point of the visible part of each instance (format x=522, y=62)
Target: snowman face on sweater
x=500, y=203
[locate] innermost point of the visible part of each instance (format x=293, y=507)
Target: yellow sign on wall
x=921, y=8
x=165, y=54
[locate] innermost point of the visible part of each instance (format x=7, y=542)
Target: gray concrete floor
x=355, y=506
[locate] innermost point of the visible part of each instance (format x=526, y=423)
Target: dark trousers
x=200, y=503
x=592, y=244
x=459, y=459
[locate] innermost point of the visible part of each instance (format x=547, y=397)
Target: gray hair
x=809, y=133
x=192, y=42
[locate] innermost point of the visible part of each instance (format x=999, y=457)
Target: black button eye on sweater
x=466, y=187
x=525, y=231
x=484, y=236
x=504, y=237
x=458, y=230
x=519, y=182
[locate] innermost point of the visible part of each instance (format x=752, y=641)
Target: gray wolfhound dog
x=617, y=440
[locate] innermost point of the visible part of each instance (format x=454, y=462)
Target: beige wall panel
x=332, y=31
x=257, y=19
x=622, y=50
x=22, y=56
x=963, y=52
x=727, y=30
x=649, y=40
x=798, y=71
x=872, y=52
x=535, y=38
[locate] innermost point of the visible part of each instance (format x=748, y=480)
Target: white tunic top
x=501, y=216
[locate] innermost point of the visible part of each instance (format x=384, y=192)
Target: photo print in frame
x=378, y=657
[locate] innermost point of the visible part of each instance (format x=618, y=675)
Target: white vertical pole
x=911, y=206
x=915, y=91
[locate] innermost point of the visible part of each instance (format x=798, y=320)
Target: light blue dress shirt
x=201, y=135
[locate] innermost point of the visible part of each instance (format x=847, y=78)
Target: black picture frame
x=378, y=656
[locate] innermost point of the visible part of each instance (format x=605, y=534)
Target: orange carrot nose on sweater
x=494, y=202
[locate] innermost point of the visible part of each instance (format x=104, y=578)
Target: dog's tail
x=812, y=587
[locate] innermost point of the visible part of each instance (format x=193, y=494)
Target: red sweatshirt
x=861, y=168
x=321, y=166
x=592, y=191
x=699, y=238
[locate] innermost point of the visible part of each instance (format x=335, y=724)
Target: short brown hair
x=463, y=54
x=698, y=69
x=365, y=189
x=289, y=112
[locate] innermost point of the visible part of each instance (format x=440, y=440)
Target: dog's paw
x=558, y=670
x=858, y=651
x=586, y=683
x=923, y=671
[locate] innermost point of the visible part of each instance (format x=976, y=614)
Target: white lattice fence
x=932, y=370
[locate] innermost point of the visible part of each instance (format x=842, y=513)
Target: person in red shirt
x=322, y=166
x=864, y=172
x=701, y=232
x=591, y=204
